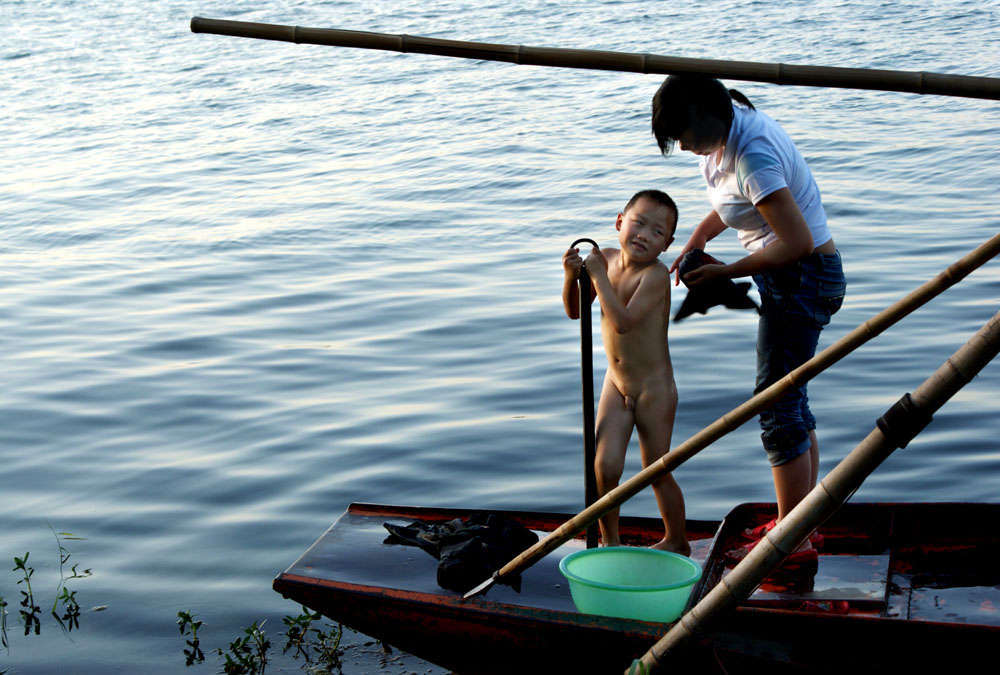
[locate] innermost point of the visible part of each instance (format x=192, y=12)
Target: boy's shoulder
x=656, y=271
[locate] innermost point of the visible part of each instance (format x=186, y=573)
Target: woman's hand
x=706, y=274
x=707, y=230
x=674, y=266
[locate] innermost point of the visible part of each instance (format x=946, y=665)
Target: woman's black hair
x=682, y=101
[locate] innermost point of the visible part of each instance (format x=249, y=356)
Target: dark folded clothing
x=469, y=551
x=703, y=297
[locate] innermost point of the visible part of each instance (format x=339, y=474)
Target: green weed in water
x=320, y=650
x=188, y=626
x=70, y=617
x=247, y=655
x=29, y=610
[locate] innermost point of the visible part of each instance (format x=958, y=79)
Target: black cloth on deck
x=469, y=551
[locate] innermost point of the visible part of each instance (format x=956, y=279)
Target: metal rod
x=587, y=385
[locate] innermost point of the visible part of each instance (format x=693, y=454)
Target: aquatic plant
x=70, y=618
x=247, y=655
x=188, y=626
x=323, y=646
x=29, y=610
x=328, y=652
x=297, y=633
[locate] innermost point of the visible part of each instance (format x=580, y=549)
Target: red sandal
x=756, y=533
x=801, y=557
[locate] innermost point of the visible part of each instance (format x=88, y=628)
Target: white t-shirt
x=758, y=159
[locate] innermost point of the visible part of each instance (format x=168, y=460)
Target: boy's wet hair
x=682, y=101
x=658, y=196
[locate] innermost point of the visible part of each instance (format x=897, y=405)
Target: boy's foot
x=609, y=542
x=755, y=533
x=666, y=545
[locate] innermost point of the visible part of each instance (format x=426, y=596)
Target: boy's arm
x=653, y=287
x=572, y=264
x=571, y=298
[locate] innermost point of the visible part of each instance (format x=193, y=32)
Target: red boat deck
x=355, y=551
x=919, y=562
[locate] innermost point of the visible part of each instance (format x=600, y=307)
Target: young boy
x=639, y=390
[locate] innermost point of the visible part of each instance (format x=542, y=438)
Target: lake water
x=246, y=283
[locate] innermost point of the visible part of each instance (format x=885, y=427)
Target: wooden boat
x=901, y=585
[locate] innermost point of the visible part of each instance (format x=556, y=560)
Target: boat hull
x=876, y=598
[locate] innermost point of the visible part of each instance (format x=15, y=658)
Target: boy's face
x=645, y=230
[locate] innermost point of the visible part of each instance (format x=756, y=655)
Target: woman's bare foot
x=667, y=545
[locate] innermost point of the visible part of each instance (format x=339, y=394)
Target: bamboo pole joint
x=903, y=421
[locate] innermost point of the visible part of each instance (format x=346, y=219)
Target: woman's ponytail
x=741, y=99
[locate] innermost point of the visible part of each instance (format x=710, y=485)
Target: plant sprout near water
x=248, y=654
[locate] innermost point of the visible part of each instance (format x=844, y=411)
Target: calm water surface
x=247, y=283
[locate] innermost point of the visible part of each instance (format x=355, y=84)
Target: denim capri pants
x=797, y=301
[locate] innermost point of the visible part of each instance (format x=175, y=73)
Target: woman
x=759, y=184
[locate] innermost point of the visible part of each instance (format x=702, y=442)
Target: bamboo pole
x=745, y=411
x=941, y=84
x=832, y=492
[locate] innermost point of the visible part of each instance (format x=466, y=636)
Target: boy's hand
x=572, y=263
x=596, y=260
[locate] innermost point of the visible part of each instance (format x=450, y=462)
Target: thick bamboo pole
x=941, y=84
x=830, y=494
x=747, y=410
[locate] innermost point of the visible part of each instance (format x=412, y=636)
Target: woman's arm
x=794, y=242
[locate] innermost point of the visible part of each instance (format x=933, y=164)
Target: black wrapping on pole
x=587, y=382
x=903, y=421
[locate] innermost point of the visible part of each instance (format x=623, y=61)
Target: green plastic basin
x=631, y=583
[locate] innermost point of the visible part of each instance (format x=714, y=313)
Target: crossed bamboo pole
x=943, y=84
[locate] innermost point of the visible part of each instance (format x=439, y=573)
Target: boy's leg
x=654, y=419
x=614, y=428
